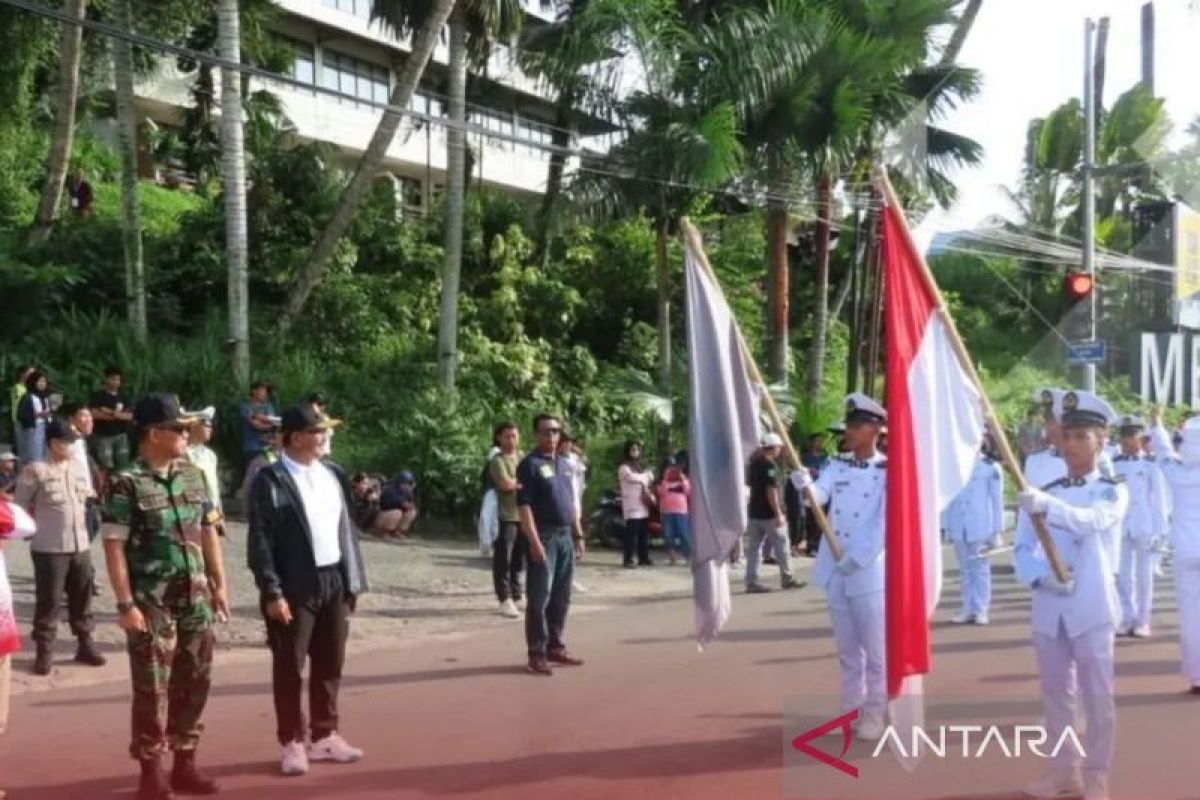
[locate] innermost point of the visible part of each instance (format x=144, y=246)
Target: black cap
x=161, y=408
x=305, y=418
x=57, y=429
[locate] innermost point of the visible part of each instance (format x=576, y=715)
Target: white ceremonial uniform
x=1073, y=633
x=855, y=491
x=974, y=518
x=1145, y=523
x=1182, y=474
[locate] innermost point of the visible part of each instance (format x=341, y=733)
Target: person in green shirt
x=16, y=392
x=508, y=553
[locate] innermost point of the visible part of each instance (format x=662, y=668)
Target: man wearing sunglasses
x=550, y=524
x=164, y=562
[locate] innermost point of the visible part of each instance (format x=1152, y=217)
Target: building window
x=359, y=8
x=356, y=79
x=303, y=62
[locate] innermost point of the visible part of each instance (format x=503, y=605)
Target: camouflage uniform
x=170, y=664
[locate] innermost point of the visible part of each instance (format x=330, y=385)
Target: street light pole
x=1089, y=188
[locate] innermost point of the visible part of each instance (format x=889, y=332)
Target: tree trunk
x=447, y=356
x=309, y=274
x=554, y=178
x=778, y=291
x=662, y=275
x=71, y=49
x=131, y=213
x=233, y=175
x=816, y=355
x=961, y=31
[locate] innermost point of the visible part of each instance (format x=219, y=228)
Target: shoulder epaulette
x=1113, y=479
x=881, y=464
x=1063, y=481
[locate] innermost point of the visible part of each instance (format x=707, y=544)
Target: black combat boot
x=186, y=779
x=153, y=785
x=88, y=654
x=44, y=662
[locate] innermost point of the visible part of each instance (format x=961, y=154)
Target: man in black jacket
x=304, y=553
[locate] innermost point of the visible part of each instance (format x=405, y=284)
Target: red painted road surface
x=646, y=717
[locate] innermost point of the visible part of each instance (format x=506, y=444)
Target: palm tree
x=70, y=53
x=474, y=26
x=424, y=19
x=962, y=30
x=233, y=174
x=131, y=215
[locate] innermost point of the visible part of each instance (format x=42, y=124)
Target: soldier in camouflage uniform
x=165, y=563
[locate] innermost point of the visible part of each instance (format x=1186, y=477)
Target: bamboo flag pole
x=692, y=237
x=960, y=350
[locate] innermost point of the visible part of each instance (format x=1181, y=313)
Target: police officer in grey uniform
x=1074, y=620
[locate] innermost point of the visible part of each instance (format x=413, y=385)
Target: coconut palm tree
x=69, y=56
x=424, y=20
x=233, y=175
x=131, y=214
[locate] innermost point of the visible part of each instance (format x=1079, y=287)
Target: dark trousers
x=637, y=535
x=812, y=531
x=318, y=631
x=508, y=560
x=53, y=574
x=549, y=585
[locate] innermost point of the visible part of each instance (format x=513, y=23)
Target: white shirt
x=855, y=491
x=976, y=513
x=634, y=485
x=323, y=501
x=1183, y=479
x=203, y=457
x=78, y=454
x=1149, y=498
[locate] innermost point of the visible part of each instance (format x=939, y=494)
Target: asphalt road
x=647, y=716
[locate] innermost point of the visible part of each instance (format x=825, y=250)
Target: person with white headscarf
x=1182, y=472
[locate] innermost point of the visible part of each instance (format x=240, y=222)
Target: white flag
x=724, y=430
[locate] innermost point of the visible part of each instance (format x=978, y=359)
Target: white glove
x=801, y=479
x=1034, y=501
x=1055, y=586
x=846, y=565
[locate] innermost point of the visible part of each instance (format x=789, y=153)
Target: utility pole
x=1089, y=187
x=1148, y=47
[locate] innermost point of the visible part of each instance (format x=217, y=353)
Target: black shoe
x=153, y=785
x=539, y=666
x=186, y=779
x=646, y=563
x=87, y=653
x=629, y=565
x=43, y=663
x=794, y=583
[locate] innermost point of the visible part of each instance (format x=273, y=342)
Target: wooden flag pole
x=964, y=359
x=692, y=237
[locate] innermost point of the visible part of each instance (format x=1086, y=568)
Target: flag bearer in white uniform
x=973, y=523
x=1144, y=527
x=1182, y=472
x=854, y=485
x=1074, y=620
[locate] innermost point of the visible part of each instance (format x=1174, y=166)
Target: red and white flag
x=935, y=428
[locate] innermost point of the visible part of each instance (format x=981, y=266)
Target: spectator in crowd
x=365, y=489
x=550, y=524
x=814, y=459
x=305, y=556
x=320, y=404
x=8, y=472
x=81, y=194
x=571, y=449
x=56, y=493
x=203, y=456
x=674, y=492
x=488, y=523
x=398, y=505
x=14, y=524
x=264, y=459
x=635, y=480
x=767, y=518
x=1032, y=436
x=838, y=430
x=79, y=417
x=113, y=416
x=16, y=392
x=508, y=551
x=260, y=421
x=33, y=412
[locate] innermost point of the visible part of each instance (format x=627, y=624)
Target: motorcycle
x=607, y=523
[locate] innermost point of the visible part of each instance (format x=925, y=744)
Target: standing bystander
x=635, y=480
x=113, y=415
x=508, y=550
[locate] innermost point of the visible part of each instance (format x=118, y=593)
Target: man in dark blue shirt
x=550, y=524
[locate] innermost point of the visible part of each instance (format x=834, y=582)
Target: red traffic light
x=1079, y=285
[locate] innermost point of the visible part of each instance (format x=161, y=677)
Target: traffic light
x=1078, y=286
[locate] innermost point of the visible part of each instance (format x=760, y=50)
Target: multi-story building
x=352, y=63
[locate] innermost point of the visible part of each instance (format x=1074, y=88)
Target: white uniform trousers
x=1135, y=584
x=976, y=579
x=1085, y=662
x=1187, y=597
x=858, y=632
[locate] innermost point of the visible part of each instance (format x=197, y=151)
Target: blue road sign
x=1079, y=353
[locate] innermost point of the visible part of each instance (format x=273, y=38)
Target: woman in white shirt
x=635, y=480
